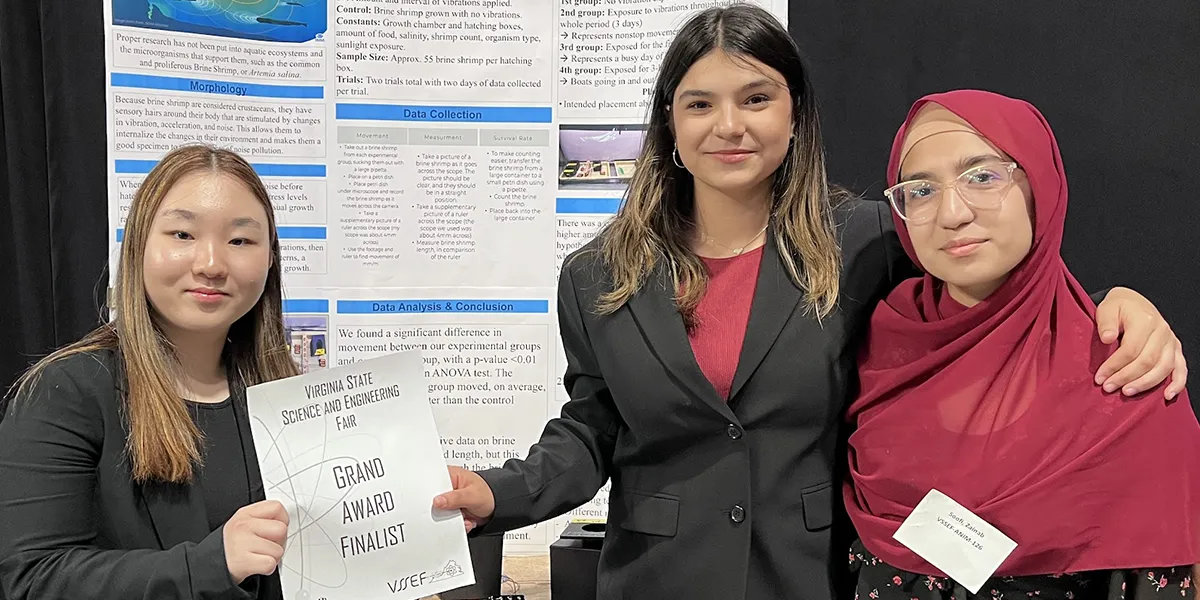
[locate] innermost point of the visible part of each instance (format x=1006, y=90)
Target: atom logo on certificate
x=354, y=455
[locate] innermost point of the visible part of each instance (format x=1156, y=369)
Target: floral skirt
x=877, y=580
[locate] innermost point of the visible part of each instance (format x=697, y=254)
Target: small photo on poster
x=598, y=157
x=263, y=20
x=308, y=338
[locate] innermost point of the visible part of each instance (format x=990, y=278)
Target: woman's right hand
x=254, y=539
x=471, y=494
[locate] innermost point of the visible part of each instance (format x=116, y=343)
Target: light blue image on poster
x=263, y=20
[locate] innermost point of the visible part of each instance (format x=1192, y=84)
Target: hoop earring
x=675, y=158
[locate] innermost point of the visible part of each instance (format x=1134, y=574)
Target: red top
x=995, y=405
x=722, y=317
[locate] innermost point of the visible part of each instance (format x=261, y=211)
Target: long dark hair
x=163, y=441
x=656, y=218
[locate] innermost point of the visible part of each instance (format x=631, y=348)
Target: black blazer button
x=738, y=514
x=734, y=432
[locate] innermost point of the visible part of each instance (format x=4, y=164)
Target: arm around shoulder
x=50, y=449
x=572, y=460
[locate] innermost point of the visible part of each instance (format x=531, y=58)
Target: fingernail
x=1100, y=377
x=1129, y=391
x=1108, y=387
x=439, y=502
x=1108, y=335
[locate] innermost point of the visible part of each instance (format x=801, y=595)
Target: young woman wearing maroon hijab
x=709, y=334
x=976, y=381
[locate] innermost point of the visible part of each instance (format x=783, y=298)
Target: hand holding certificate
x=354, y=456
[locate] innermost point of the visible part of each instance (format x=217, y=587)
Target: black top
x=223, y=476
x=74, y=525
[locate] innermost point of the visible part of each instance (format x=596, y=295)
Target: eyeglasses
x=983, y=187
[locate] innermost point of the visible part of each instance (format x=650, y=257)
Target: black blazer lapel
x=775, y=299
x=656, y=315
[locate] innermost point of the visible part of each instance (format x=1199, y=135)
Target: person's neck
x=970, y=295
x=729, y=224
x=201, y=371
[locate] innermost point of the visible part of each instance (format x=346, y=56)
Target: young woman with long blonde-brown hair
x=127, y=469
x=710, y=332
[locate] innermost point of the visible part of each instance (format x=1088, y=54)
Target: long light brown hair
x=163, y=442
x=656, y=218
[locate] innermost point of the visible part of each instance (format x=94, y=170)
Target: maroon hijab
x=996, y=405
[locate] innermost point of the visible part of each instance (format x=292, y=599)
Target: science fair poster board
x=431, y=162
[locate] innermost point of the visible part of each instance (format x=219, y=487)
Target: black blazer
x=74, y=526
x=709, y=499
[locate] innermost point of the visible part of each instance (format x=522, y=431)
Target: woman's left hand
x=1149, y=350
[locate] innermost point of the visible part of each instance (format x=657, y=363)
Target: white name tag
x=953, y=539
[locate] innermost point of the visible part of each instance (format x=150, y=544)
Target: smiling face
x=732, y=121
x=207, y=255
x=973, y=249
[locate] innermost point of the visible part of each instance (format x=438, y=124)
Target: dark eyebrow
x=188, y=215
x=180, y=213
x=975, y=161
x=749, y=86
x=961, y=165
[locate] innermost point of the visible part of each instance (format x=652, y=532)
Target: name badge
x=953, y=539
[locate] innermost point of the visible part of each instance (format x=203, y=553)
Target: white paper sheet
x=955, y=540
x=354, y=455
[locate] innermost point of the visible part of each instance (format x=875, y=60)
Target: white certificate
x=354, y=455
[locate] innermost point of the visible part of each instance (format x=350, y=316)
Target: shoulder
x=872, y=256
x=79, y=385
x=860, y=222
x=95, y=369
x=585, y=272
x=859, y=226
